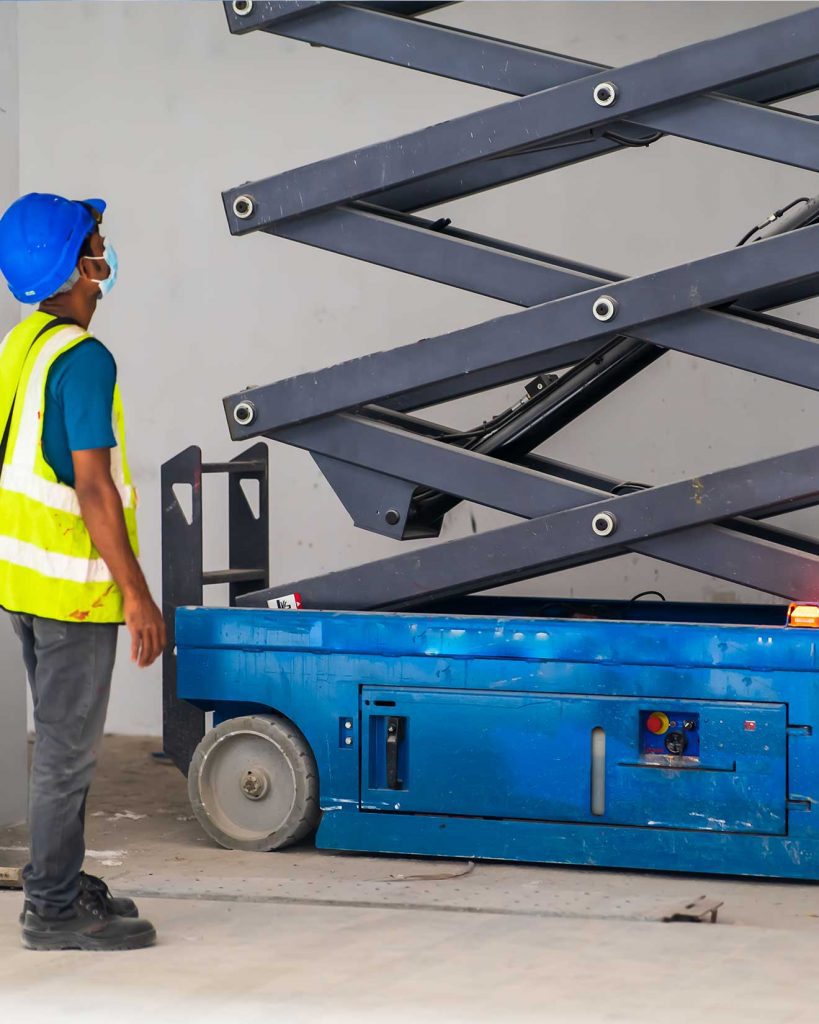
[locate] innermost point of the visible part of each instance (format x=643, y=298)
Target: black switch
x=676, y=742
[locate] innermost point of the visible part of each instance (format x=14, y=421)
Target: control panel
x=666, y=733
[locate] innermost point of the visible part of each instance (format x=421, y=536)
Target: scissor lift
x=581, y=333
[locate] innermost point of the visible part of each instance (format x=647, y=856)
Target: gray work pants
x=69, y=666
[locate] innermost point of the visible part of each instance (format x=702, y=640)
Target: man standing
x=68, y=545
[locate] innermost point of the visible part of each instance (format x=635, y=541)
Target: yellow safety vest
x=48, y=563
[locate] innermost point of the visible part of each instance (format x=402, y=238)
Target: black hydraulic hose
x=542, y=417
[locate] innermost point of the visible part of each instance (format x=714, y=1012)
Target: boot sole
x=21, y=919
x=86, y=943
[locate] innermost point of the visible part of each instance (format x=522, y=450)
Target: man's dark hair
x=85, y=248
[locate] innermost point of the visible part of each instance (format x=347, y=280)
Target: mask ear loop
x=97, y=217
x=97, y=280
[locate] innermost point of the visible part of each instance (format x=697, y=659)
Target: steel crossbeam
x=398, y=474
x=565, y=109
x=496, y=270
x=553, y=330
x=487, y=266
x=562, y=540
x=384, y=32
x=535, y=491
x=493, y=64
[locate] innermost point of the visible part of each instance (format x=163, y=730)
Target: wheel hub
x=254, y=783
x=246, y=784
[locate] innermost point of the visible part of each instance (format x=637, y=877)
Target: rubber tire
x=305, y=813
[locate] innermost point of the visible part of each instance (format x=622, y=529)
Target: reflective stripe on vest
x=48, y=563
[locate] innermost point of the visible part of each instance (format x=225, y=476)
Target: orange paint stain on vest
x=102, y=597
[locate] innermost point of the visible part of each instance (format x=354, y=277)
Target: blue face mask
x=109, y=254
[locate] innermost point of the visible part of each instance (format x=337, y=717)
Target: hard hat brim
x=99, y=205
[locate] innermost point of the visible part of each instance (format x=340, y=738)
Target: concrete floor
x=306, y=936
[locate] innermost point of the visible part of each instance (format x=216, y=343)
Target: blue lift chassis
x=530, y=739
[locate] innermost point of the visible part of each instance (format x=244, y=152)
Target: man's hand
x=101, y=509
x=147, y=628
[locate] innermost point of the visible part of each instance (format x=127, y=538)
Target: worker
x=68, y=552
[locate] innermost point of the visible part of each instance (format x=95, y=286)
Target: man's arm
x=101, y=508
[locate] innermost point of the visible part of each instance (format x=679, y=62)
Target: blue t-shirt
x=79, y=404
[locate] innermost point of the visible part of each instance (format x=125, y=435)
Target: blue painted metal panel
x=641, y=849
x=390, y=634
x=527, y=755
x=481, y=778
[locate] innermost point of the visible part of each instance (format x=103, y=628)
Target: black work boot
x=121, y=906
x=88, y=925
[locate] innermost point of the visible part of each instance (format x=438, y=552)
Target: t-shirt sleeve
x=85, y=391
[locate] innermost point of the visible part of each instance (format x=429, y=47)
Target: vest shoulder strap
x=54, y=322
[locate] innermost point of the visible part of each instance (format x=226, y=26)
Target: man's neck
x=69, y=306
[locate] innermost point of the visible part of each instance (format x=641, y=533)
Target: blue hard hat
x=41, y=236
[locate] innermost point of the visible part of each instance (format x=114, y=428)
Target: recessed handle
x=394, y=736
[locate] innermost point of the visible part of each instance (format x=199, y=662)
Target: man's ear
x=85, y=268
x=89, y=268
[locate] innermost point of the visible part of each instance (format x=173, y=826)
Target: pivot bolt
x=391, y=517
x=604, y=524
x=242, y=7
x=254, y=783
x=605, y=93
x=244, y=413
x=243, y=207
x=604, y=308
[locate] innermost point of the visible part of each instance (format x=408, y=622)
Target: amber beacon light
x=802, y=614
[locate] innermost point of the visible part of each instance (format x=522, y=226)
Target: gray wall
x=12, y=675
x=165, y=109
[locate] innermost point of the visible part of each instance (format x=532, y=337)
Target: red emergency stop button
x=657, y=723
